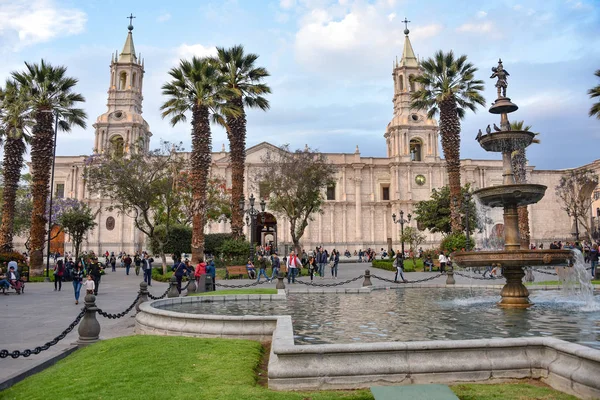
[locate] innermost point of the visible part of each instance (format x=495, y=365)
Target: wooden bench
x=416, y=392
x=235, y=270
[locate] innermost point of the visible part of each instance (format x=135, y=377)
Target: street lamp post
x=251, y=215
x=401, y=221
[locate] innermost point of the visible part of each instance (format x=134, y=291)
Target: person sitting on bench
x=13, y=279
x=251, y=270
x=3, y=283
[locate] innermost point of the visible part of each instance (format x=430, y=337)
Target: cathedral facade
x=358, y=209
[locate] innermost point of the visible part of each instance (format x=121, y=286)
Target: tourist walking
x=138, y=263
x=199, y=270
x=334, y=260
x=90, y=285
x=96, y=273
x=59, y=271
x=443, y=260
x=293, y=263
x=275, y=266
x=147, y=268
x=594, y=258
x=127, y=261
x=322, y=262
x=312, y=267
x=399, y=264
x=262, y=268
x=77, y=281
x=113, y=263
x=180, y=269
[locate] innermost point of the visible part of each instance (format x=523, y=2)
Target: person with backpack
x=180, y=269
x=138, y=263
x=127, y=262
x=262, y=268
x=59, y=272
x=399, y=264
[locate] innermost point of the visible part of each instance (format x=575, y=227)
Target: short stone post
x=280, y=284
x=89, y=328
x=143, y=295
x=192, y=285
x=367, y=281
x=173, y=292
x=529, y=275
x=208, y=284
x=202, y=283
x=450, y=276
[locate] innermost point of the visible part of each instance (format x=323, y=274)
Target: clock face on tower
x=420, y=180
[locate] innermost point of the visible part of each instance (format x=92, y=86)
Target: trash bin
x=208, y=284
x=201, y=284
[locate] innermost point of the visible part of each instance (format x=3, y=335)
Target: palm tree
x=595, y=92
x=49, y=93
x=199, y=87
x=519, y=164
x=244, y=79
x=15, y=122
x=448, y=87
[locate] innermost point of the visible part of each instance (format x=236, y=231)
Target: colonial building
x=359, y=207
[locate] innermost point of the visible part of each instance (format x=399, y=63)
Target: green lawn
x=236, y=291
x=552, y=283
x=159, y=367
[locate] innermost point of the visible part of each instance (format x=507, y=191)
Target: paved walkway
x=40, y=314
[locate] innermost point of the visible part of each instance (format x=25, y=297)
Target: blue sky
x=330, y=62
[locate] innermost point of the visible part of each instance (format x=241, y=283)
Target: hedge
x=179, y=240
x=214, y=241
x=388, y=265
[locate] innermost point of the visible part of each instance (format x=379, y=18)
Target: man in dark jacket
x=95, y=272
x=180, y=269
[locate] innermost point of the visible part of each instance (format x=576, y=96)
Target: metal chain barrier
x=241, y=286
x=159, y=297
x=330, y=284
x=122, y=314
x=417, y=281
x=186, y=286
x=47, y=345
x=482, y=278
x=544, y=272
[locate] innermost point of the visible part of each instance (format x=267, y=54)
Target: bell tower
x=122, y=129
x=410, y=135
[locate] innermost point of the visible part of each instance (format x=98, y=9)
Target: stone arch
x=117, y=146
x=416, y=149
x=411, y=82
x=122, y=80
x=401, y=82
x=133, y=80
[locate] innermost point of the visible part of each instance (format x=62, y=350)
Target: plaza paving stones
x=40, y=314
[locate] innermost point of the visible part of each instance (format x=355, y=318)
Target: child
x=89, y=285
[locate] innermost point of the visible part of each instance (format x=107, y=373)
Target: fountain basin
x=503, y=195
x=506, y=141
x=516, y=258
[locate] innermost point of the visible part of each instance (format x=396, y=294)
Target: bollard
x=450, y=276
x=173, y=292
x=367, y=281
x=208, y=284
x=192, y=286
x=529, y=275
x=143, y=296
x=280, y=284
x=89, y=328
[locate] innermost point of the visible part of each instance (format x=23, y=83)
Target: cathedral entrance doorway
x=57, y=240
x=266, y=230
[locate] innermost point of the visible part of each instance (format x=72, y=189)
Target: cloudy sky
x=330, y=62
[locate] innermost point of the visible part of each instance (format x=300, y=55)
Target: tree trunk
x=42, y=143
x=200, y=167
x=450, y=138
x=14, y=148
x=519, y=162
x=237, y=155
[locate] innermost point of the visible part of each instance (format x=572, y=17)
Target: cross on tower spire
x=131, y=17
x=406, y=21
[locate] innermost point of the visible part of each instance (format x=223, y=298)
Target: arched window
x=134, y=80
x=411, y=82
x=416, y=147
x=122, y=80
x=401, y=83
x=117, y=146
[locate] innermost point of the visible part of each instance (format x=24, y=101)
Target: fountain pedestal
x=514, y=293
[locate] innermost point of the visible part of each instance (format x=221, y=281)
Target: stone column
x=358, y=203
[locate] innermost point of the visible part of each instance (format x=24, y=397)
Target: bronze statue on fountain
x=509, y=195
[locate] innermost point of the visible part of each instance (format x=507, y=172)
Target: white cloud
x=287, y=4
x=481, y=14
x=27, y=22
x=483, y=27
x=391, y=16
x=198, y=50
x=164, y=17
x=517, y=7
x=282, y=18
x=426, y=31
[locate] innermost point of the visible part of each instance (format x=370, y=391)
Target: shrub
x=388, y=265
x=179, y=240
x=234, y=248
x=214, y=241
x=454, y=242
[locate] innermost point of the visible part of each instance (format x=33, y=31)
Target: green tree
x=49, y=92
x=198, y=87
x=414, y=238
x=15, y=123
x=295, y=182
x=595, y=93
x=77, y=222
x=244, y=79
x=434, y=214
x=519, y=166
x=575, y=193
x=140, y=186
x=448, y=86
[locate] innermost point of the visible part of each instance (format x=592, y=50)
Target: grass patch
x=158, y=367
x=514, y=391
x=388, y=265
x=554, y=283
x=236, y=291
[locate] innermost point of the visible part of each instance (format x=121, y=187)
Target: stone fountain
x=510, y=196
